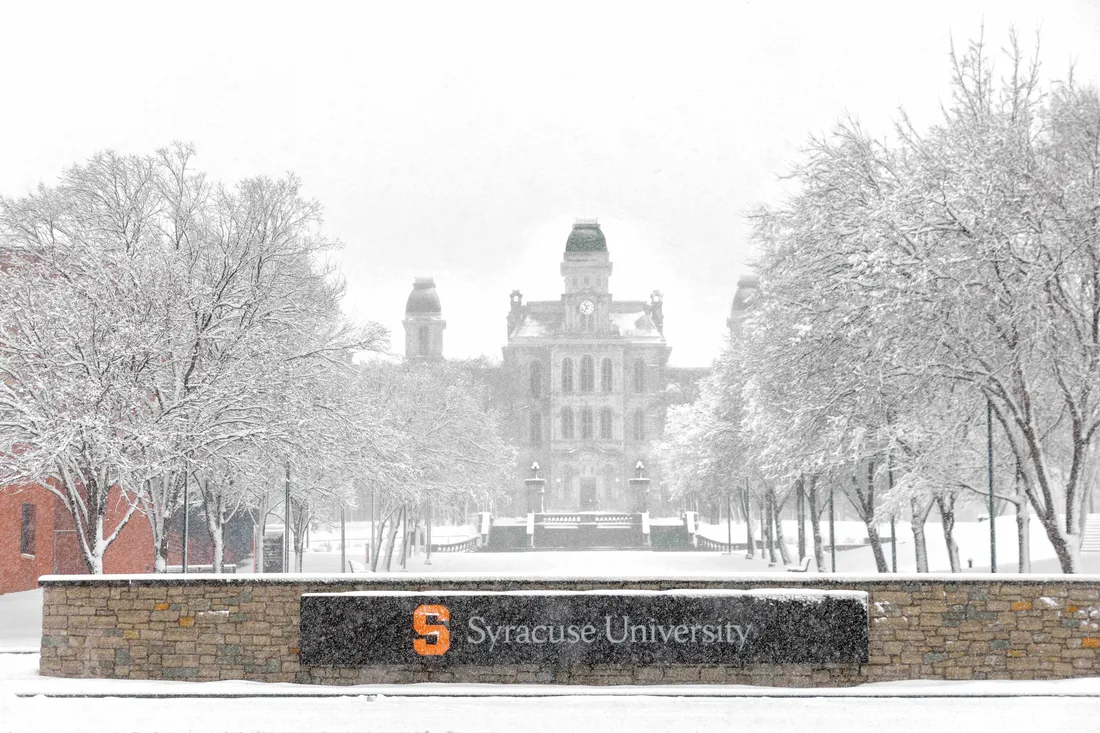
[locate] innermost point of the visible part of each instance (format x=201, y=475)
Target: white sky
x=460, y=140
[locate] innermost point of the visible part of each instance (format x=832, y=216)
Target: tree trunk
x=866, y=509
x=815, y=526
x=391, y=541
x=260, y=530
x=876, y=547
x=920, y=543
x=946, y=503
x=761, y=527
x=160, y=560
x=301, y=529
x=800, y=515
x=213, y=508
x=750, y=551
x=218, y=535
x=1023, y=536
x=777, y=510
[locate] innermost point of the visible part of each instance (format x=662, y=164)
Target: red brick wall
x=17, y=571
x=57, y=549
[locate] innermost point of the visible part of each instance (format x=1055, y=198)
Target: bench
x=226, y=568
x=801, y=567
x=354, y=566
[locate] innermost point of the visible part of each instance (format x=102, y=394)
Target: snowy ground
x=972, y=539
x=32, y=703
x=20, y=621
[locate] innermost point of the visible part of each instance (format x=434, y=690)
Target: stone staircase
x=1090, y=542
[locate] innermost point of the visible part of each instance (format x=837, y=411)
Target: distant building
x=595, y=372
x=747, y=288
x=424, y=322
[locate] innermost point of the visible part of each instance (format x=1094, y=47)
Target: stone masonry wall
x=246, y=627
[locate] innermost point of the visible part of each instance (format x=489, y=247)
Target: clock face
x=587, y=307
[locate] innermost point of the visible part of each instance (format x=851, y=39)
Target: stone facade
x=246, y=627
x=593, y=369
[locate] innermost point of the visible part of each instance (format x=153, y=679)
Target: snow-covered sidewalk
x=32, y=703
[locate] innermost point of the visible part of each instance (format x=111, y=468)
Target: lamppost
x=639, y=486
x=536, y=489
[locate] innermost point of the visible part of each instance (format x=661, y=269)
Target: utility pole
x=286, y=521
x=989, y=467
x=186, y=518
x=428, y=554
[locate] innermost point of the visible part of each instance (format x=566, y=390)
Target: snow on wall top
x=801, y=595
x=406, y=578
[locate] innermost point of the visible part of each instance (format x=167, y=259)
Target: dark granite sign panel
x=561, y=628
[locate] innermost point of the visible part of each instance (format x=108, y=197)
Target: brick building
x=38, y=537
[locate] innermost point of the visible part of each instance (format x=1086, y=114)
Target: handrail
x=467, y=545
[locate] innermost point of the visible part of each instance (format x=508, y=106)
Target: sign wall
x=562, y=628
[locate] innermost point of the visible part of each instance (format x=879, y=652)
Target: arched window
x=567, y=375
x=536, y=428
x=607, y=380
x=566, y=423
x=586, y=423
x=536, y=378
x=605, y=423
x=424, y=338
x=639, y=425
x=588, y=373
x=639, y=376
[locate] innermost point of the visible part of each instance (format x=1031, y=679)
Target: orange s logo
x=435, y=638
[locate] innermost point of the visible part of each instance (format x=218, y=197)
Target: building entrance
x=588, y=497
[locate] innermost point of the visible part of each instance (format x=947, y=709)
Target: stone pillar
x=536, y=491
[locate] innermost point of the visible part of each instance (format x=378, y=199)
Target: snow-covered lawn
x=20, y=621
x=971, y=537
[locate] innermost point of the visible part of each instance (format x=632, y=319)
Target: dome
x=586, y=237
x=423, y=298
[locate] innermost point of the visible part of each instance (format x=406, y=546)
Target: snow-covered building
x=595, y=371
x=38, y=537
x=424, y=322
x=748, y=286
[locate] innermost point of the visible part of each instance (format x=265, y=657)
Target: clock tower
x=586, y=270
x=591, y=374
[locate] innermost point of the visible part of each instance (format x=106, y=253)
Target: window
x=639, y=376
x=567, y=375
x=26, y=537
x=536, y=429
x=424, y=341
x=606, y=375
x=536, y=379
x=639, y=425
x=588, y=373
x=566, y=423
x=586, y=423
x=605, y=423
